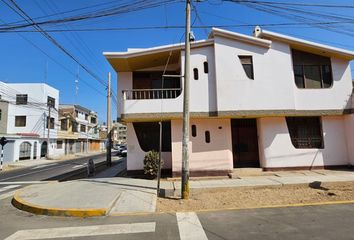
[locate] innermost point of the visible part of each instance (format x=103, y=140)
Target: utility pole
x=185, y=141
x=48, y=134
x=109, y=121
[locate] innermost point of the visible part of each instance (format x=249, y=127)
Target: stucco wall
x=278, y=151
x=216, y=155
x=135, y=155
x=4, y=113
x=349, y=131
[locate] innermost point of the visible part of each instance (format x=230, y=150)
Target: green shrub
x=151, y=163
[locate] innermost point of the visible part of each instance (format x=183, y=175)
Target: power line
x=181, y=27
x=293, y=4
x=17, y=9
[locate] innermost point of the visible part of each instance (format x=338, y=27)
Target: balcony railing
x=165, y=93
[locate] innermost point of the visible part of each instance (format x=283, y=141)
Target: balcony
x=144, y=94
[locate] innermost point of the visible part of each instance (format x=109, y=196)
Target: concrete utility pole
x=109, y=121
x=48, y=134
x=185, y=141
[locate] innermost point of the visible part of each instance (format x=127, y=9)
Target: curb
x=23, y=205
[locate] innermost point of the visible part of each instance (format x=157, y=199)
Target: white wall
x=35, y=116
x=216, y=155
x=276, y=149
x=349, y=131
x=135, y=155
x=273, y=87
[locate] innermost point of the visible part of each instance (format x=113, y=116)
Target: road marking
x=43, y=166
x=8, y=187
x=189, y=226
x=25, y=174
x=78, y=166
x=7, y=195
x=26, y=182
x=87, y=231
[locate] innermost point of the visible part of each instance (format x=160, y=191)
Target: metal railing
x=166, y=93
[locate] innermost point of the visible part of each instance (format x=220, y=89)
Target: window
x=247, y=65
x=93, y=120
x=20, y=121
x=195, y=73
x=21, y=99
x=74, y=127
x=311, y=71
x=0, y=114
x=50, y=102
x=82, y=128
x=206, y=67
x=86, y=116
x=59, y=144
x=305, y=132
x=194, y=130
x=207, y=136
x=51, y=123
x=64, y=125
x=148, y=134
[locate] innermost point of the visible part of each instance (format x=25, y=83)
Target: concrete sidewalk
x=116, y=196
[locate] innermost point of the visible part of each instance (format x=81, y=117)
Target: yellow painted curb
x=21, y=204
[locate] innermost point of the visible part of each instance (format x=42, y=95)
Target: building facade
x=26, y=112
x=267, y=100
x=78, y=130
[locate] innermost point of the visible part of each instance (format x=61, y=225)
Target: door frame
x=233, y=123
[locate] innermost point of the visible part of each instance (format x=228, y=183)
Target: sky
x=30, y=57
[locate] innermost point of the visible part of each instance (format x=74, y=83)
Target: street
x=311, y=222
x=17, y=178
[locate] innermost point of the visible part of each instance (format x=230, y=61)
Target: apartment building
x=78, y=129
x=119, y=133
x=26, y=112
x=267, y=100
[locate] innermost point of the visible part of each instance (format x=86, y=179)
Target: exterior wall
x=135, y=156
x=213, y=156
x=277, y=151
x=273, y=87
x=4, y=113
x=36, y=117
x=349, y=131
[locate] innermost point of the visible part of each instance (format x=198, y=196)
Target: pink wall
x=216, y=155
x=277, y=151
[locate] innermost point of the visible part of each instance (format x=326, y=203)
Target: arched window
x=195, y=73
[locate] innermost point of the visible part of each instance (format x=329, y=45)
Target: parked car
x=122, y=151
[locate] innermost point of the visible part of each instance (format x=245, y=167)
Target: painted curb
x=23, y=205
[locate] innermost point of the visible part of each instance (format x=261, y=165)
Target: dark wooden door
x=245, y=143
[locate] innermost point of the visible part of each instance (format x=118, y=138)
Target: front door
x=244, y=143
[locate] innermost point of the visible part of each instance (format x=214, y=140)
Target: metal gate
x=25, y=151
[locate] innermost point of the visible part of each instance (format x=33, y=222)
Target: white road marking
x=7, y=195
x=78, y=166
x=86, y=231
x=189, y=226
x=25, y=174
x=8, y=187
x=43, y=166
x=28, y=182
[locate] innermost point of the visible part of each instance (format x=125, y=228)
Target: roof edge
x=239, y=37
x=260, y=33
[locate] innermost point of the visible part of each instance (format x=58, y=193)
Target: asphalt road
x=310, y=222
x=47, y=171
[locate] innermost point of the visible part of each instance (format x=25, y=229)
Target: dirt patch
x=245, y=197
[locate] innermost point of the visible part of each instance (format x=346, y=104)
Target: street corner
x=26, y=199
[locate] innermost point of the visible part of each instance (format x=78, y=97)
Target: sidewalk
x=117, y=196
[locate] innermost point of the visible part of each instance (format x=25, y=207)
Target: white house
x=25, y=111
x=267, y=100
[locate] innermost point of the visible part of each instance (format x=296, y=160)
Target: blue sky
x=20, y=61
